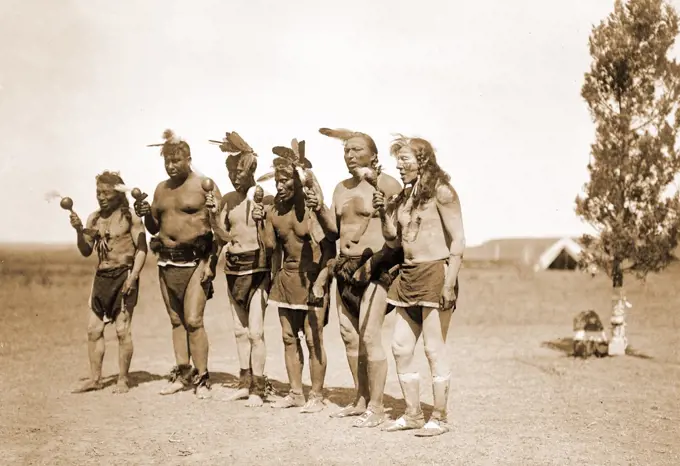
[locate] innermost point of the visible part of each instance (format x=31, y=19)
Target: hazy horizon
x=86, y=85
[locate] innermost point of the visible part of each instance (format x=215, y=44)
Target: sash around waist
x=198, y=249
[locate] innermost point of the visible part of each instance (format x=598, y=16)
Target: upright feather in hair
x=294, y=146
x=304, y=161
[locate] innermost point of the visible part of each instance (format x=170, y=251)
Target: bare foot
x=314, y=405
x=351, y=410
x=203, y=392
x=254, y=401
x=292, y=400
x=172, y=387
x=123, y=386
x=240, y=394
x=89, y=386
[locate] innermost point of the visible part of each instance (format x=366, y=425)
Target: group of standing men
x=387, y=247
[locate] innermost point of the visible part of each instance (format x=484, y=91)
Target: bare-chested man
x=291, y=223
x=187, y=257
x=361, y=304
x=425, y=220
x=247, y=267
x=119, y=239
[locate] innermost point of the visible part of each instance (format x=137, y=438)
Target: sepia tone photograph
x=250, y=232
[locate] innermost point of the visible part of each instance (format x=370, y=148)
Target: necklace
x=413, y=226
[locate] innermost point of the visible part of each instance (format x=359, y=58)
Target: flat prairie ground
x=516, y=398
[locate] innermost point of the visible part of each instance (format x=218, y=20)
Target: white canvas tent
x=561, y=255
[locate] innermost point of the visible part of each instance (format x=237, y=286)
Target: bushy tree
x=632, y=91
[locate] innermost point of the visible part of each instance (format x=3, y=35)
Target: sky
x=85, y=85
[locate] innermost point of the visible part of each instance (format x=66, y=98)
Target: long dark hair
x=431, y=174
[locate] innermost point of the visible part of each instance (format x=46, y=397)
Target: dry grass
x=516, y=397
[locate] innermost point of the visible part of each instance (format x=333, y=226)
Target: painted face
x=285, y=185
x=357, y=154
x=407, y=164
x=177, y=165
x=241, y=172
x=107, y=197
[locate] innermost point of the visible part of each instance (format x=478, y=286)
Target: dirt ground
x=516, y=398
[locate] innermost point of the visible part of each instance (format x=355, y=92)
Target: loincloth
x=418, y=286
x=106, y=299
x=176, y=279
x=351, y=291
x=245, y=276
x=292, y=287
x=176, y=265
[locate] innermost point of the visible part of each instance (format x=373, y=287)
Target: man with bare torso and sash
x=247, y=266
x=361, y=304
x=187, y=257
x=306, y=249
x=119, y=239
x=425, y=220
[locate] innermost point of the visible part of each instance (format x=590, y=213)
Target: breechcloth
x=383, y=272
x=418, y=286
x=292, y=287
x=107, y=297
x=177, y=265
x=244, y=276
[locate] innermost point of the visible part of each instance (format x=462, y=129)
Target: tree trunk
x=618, y=341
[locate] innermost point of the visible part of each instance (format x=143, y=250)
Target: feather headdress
x=233, y=143
x=290, y=156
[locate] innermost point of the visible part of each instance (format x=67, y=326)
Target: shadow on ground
x=566, y=346
x=341, y=396
x=136, y=378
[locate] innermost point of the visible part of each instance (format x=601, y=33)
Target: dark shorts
x=418, y=286
x=383, y=272
x=245, y=275
x=176, y=280
x=107, y=297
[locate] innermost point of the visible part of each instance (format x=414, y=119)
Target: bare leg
x=317, y=359
x=405, y=337
x=372, y=317
x=258, y=350
x=240, y=318
x=435, y=331
x=95, y=352
x=349, y=331
x=194, y=306
x=180, y=343
x=292, y=322
x=123, y=325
